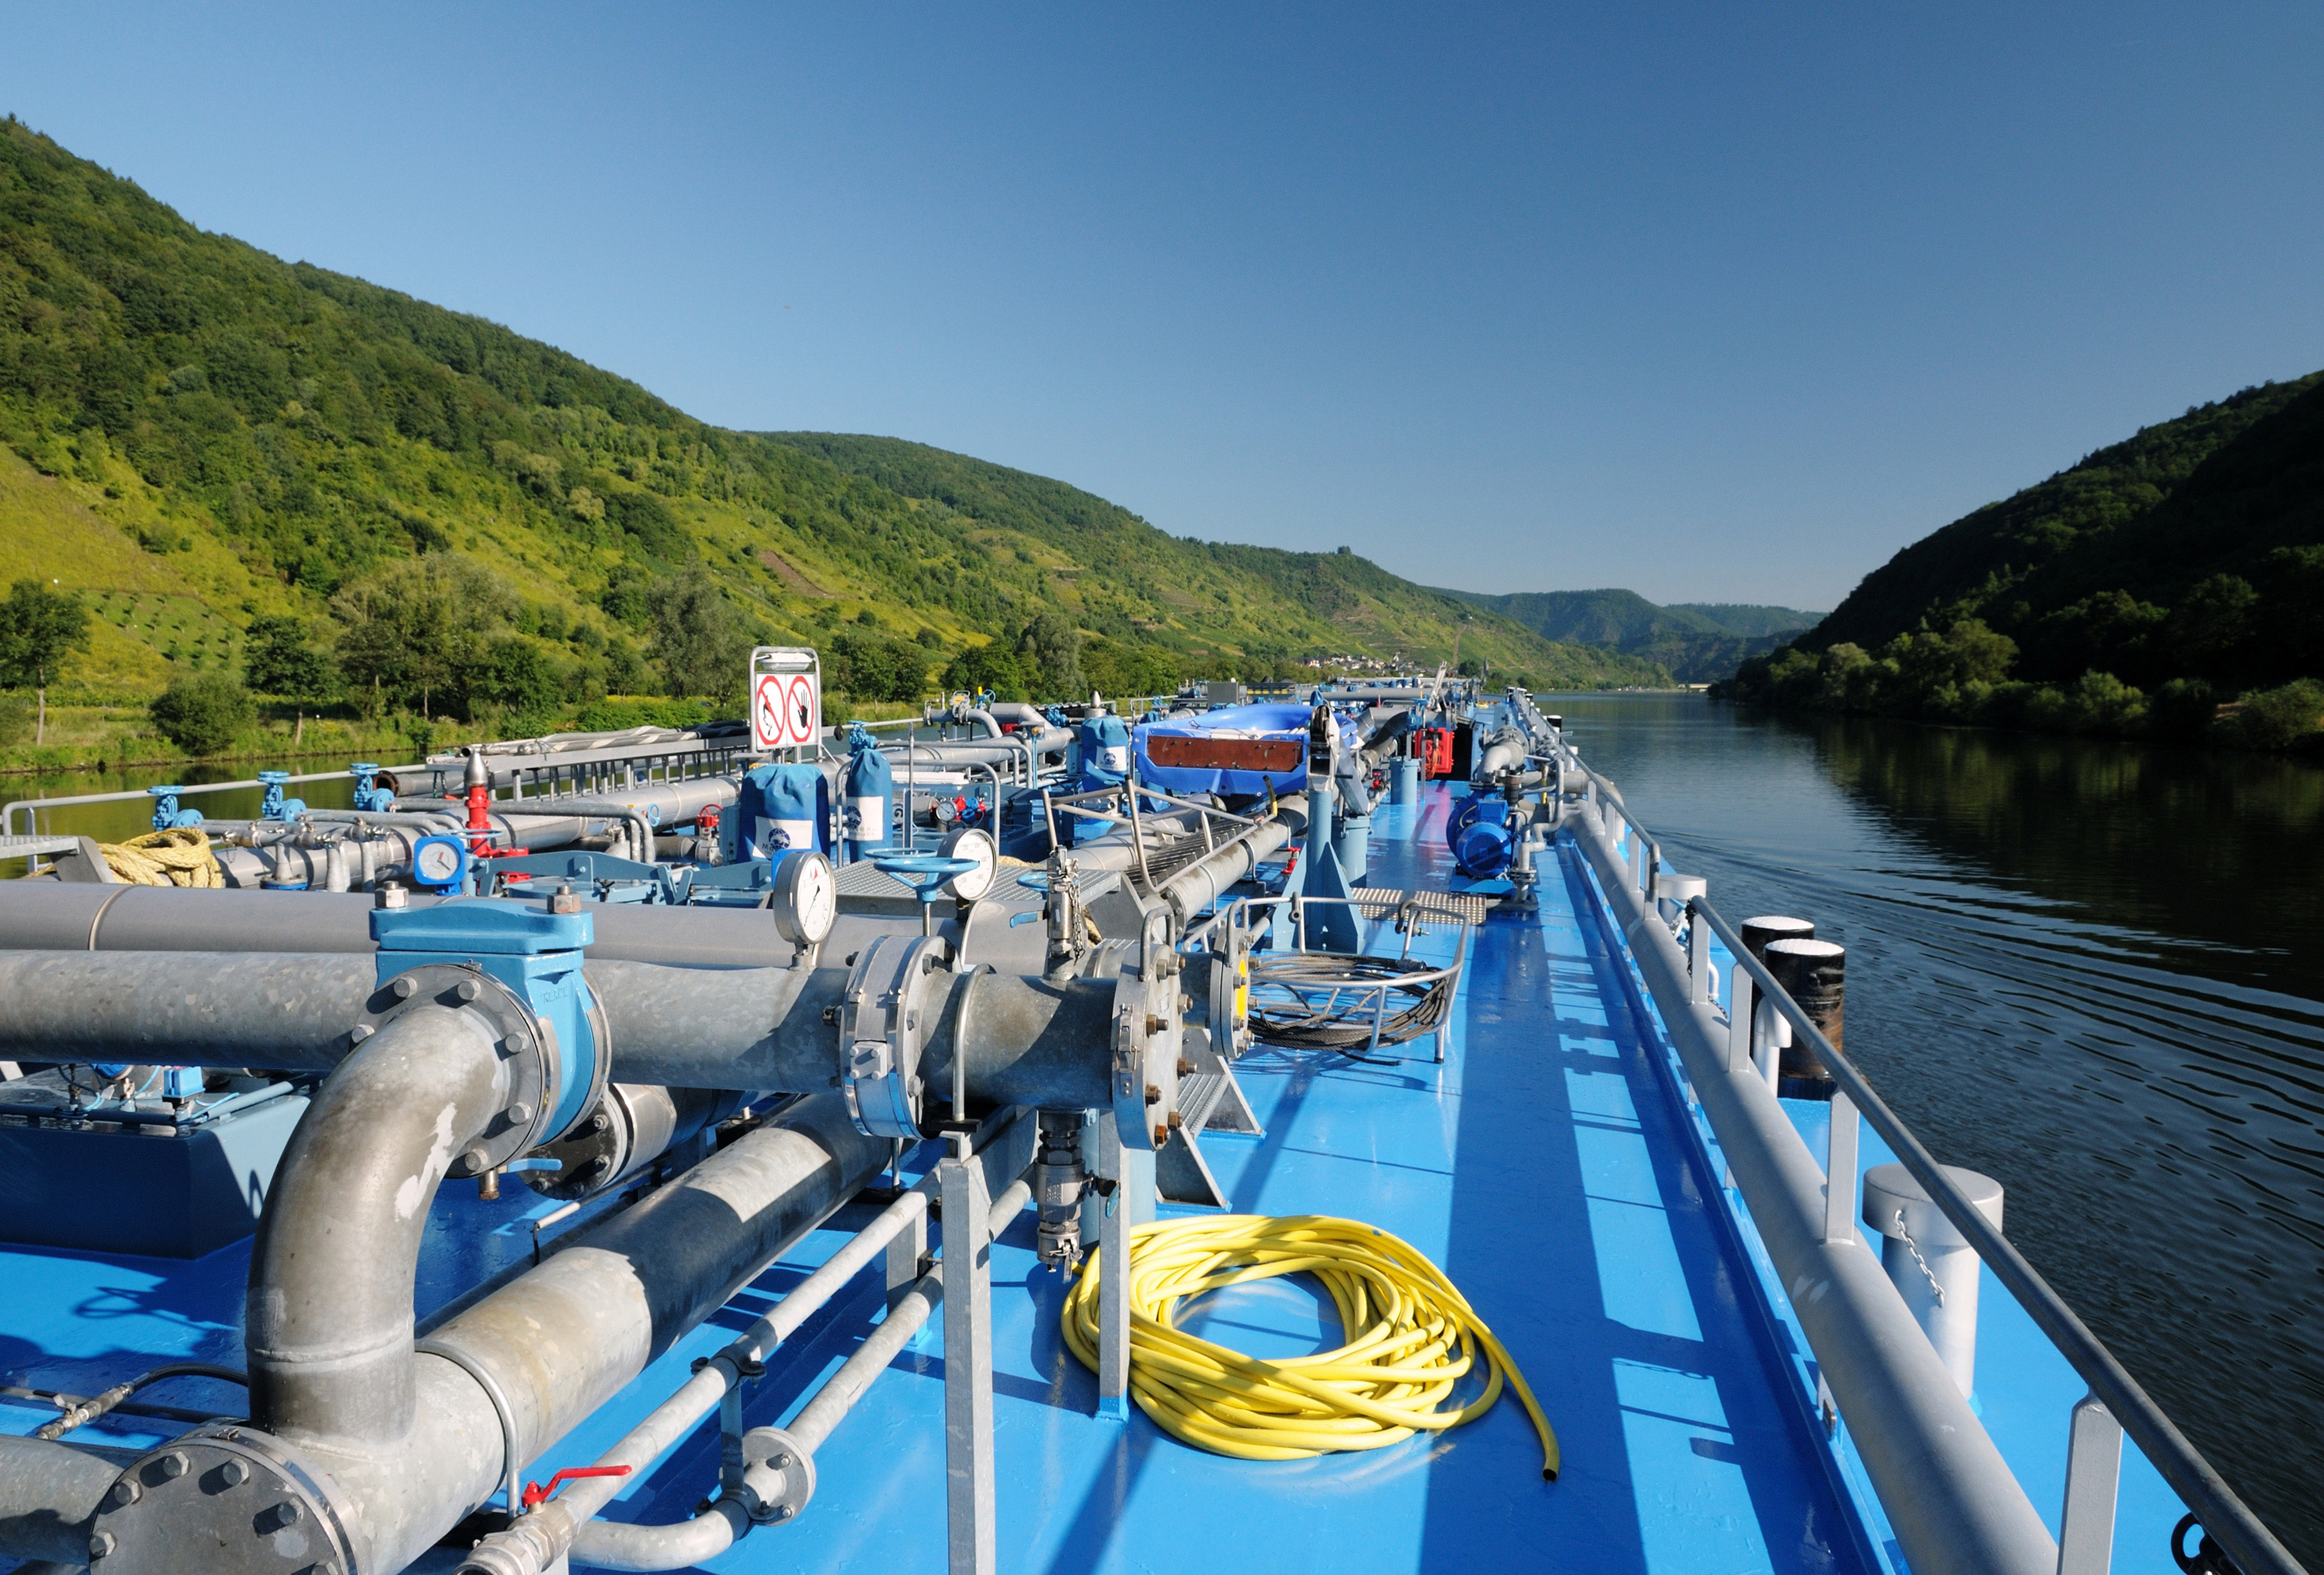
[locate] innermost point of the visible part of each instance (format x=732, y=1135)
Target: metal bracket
x=883, y=1025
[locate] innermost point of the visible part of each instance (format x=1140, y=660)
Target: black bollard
x=1814, y=974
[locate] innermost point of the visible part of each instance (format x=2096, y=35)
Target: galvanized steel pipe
x=48, y=1498
x=331, y=1274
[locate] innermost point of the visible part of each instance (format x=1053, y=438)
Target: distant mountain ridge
x=257, y=436
x=1698, y=641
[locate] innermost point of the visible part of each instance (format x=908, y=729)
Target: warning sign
x=786, y=705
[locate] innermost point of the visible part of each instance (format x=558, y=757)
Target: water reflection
x=112, y=823
x=2086, y=969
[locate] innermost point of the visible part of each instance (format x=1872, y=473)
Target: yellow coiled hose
x=1404, y=1317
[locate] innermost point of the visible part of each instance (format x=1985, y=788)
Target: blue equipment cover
x=1265, y=723
x=870, y=787
x=783, y=807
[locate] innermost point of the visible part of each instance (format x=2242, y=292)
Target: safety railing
x=2115, y=1403
x=32, y=807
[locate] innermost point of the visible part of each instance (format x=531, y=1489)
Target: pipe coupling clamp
x=884, y=1020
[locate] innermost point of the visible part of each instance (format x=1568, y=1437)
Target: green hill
x=1696, y=641
x=2187, y=560
x=186, y=416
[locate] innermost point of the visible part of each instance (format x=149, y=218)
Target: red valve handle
x=536, y=1494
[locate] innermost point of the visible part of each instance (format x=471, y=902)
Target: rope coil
x=1412, y=1337
x=178, y=857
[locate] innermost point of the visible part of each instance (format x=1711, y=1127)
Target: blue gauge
x=440, y=861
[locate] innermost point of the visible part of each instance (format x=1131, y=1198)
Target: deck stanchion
x=1840, y=1172
x=968, y=1363
x=1130, y=1204
x=2093, y=1477
x=1769, y=1032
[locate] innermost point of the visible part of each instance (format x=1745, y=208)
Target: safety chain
x=1915, y=1248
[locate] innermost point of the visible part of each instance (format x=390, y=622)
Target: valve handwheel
x=925, y=874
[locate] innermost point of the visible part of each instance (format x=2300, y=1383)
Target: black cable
x=89, y=1410
x=1333, y=1001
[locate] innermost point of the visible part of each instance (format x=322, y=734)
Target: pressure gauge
x=806, y=896
x=968, y=843
x=440, y=861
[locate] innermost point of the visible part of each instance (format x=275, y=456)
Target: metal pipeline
x=494, y=1387
x=1956, y=1508
x=567, y=1523
x=1028, y=1040
x=53, y=915
x=1202, y=884
x=331, y=1274
x=48, y=1498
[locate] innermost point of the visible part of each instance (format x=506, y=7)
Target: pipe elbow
x=330, y=1308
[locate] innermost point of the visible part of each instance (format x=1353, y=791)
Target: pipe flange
x=527, y=1043
x=770, y=1453
x=884, y=1020
x=221, y=1497
x=1148, y=1030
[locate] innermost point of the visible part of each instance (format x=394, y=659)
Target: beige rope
x=178, y=857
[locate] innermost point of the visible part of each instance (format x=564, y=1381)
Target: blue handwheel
x=1034, y=880
x=925, y=873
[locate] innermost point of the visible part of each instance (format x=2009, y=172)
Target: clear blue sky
x=1724, y=302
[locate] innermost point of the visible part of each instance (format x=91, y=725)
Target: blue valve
x=275, y=806
x=166, y=816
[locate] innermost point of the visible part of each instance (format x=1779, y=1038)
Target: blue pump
x=1482, y=837
x=871, y=789
x=783, y=806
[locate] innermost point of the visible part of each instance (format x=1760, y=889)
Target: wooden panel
x=1203, y=752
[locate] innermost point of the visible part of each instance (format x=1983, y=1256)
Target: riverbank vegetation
x=2168, y=587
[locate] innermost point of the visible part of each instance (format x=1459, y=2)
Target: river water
x=2087, y=969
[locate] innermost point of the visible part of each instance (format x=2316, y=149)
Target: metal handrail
x=2198, y=1486
x=131, y=795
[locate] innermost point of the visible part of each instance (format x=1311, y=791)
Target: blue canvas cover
x=783, y=807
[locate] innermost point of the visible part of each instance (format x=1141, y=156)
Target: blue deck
x=1545, y=1165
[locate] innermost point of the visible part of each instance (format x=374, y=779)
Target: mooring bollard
x=1814, y=974
x=1931, y=1263
x=1770, y=1031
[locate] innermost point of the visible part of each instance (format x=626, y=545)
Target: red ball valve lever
x=537, y=1493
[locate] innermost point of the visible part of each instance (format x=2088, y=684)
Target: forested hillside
x=2139, y=589
x=1698, y=643
x=461, y=521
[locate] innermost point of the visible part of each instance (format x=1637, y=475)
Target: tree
x=413, y=630
x=203, y=713
x=699, y=638
x=515, y=672
x=1049, y=648
x=993, y=667
x=38, y=627
x=278, y=659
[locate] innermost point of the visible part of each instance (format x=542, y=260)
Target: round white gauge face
x=971, y=842
x=436, y=863
x=809, y=897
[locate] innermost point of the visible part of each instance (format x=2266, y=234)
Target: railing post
x=1840, y=1172
x=2093, y=1475
x=1742, y=1017
x=1698, y=959
x=968, y=1364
